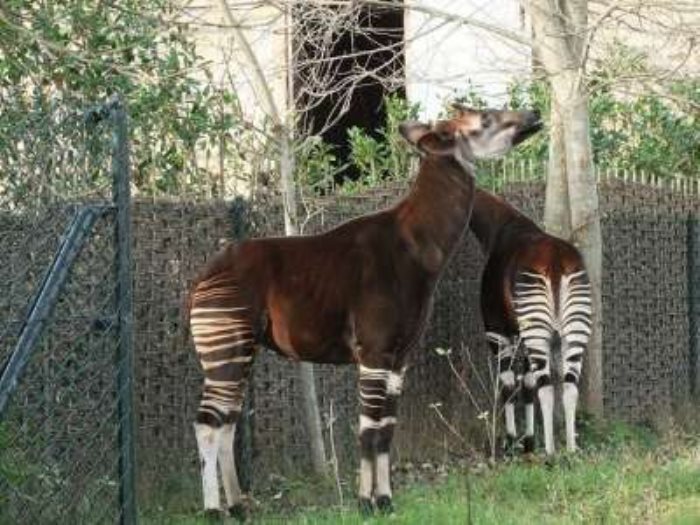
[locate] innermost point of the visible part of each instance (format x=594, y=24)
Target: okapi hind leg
x=229, y=476
x=534, y=309
x=208, y=440
x=215, y=440
x=224, y=342
x=539, y=358
x=576, y=331
x=529, y=390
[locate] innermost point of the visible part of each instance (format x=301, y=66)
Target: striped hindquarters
x=544, y=313
x=224, y=341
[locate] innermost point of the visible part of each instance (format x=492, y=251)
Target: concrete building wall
x=264, y=27
x=443, y=57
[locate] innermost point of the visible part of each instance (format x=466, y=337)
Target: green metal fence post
x=122, y=202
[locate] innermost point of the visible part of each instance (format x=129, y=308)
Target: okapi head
x=472, y=134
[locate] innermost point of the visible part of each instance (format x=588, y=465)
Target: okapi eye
x=486, y=120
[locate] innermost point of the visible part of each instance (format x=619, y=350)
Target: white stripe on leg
x=383, y=475
x=570, y=398
x=227, y=464
x=365, y=478
x=208, y=440
x=546, y=395
x=529, y=419
x=529, y=384
x=510, y=419
x=508, y=380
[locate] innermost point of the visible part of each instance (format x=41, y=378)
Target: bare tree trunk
x=587, y=236
x=283, y=138
x=309, y=399
x=557, y=217
x=558, y=26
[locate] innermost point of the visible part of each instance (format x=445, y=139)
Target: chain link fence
x=64, y=313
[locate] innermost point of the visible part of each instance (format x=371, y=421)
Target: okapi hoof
x=529, y=444
x=213, y=516
x=385, y=505
x=365, y=507
x=238, y=512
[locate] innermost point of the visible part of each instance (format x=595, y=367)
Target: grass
x=630, y=476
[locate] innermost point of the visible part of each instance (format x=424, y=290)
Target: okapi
x=536, y=307
x=358, y=294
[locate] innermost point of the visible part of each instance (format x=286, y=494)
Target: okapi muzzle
x=473, y=134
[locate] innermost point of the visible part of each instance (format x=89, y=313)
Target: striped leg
x=379, y=393
x=534, y=307
x=504, y=349
x=529, y=390
x=224, y=342
x=576, y=330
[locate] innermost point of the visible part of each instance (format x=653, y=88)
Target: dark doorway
x=359, y=58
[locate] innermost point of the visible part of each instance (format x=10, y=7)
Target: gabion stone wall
x=171, y=242
x=646, y=339
x=646, y=334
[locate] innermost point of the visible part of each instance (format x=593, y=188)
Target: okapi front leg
x=504, y=350
x=379, y=392
x=383, y=495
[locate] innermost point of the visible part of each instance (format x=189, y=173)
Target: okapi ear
x=435, y=144
x=413, y=131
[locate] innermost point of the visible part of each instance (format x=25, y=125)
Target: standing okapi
x=536, y=306
x=358, y=294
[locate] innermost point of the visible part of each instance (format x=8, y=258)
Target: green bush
x=385, y=158
x=648, y=132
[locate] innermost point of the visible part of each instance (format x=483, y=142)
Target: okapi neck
x=434, y=215
x=489, y=216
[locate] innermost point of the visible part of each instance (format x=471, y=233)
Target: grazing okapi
x=358, y=294
x=536, y=306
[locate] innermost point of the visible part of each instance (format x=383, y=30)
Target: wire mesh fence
x=60, y=416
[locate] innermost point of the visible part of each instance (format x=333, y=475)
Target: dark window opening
x=359, y=59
